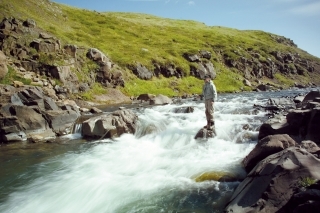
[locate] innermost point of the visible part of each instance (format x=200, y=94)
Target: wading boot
x=208, y=125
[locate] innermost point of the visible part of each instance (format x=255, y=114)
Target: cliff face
x=55, y=49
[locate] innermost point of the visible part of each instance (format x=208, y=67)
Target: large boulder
x=21, y=122
x=61, y=121
x=271, y=184
x=161, y=100
x=299, y=124
x=265, y=147
x=3, y=65
x=311, y=96
x=110, y=125
x=97, y=56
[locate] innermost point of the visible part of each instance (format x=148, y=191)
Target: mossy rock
x=217, y=176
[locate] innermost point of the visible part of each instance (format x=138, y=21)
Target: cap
x=207, y=76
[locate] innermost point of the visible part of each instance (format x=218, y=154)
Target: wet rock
x=265, y=147
x=14, y=136
x=160, y=100
x=146, y=97
x=217, y=176
x=110, y=125
x=204, y=133
x=184, y=110
x=280, y=101
x=304, y=201
x=271, y=184
x=263, y=87
x=310, y=146
x=299, y=124
x=61, y=121
x=298, y=99
x=311, y=96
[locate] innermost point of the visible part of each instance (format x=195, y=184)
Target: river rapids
x=154, y=170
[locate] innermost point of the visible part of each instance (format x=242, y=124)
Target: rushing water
x=151, y=171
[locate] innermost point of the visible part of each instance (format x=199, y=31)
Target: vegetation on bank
x=13, y=76
x=128, y=38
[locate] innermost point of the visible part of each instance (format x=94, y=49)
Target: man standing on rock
x=209, y=93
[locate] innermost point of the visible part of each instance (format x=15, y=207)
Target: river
x=151, y=171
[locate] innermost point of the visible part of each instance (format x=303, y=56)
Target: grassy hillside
x=130, y=38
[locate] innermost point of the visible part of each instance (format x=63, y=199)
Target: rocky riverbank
x=31, y=113
x=283, y=168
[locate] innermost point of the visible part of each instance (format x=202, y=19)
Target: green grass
x=13, y=76
x=128, y=38
x=96, y=89
x=284, y=81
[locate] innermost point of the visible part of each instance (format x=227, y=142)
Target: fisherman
x=209, y=93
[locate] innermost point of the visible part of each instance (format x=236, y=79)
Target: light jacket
x=209, y=91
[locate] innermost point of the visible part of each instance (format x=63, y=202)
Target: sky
x=298, y=20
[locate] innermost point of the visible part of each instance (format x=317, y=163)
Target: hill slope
x=176, y=52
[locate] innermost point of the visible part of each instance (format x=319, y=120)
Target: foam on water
x=152, y=171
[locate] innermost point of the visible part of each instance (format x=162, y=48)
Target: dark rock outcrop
x=26, y=113
x=203, y=69
x=142, y=72
x=168, y=70
x=265, y=147
x=271, y=184
x=110, y=125
x=300, y=123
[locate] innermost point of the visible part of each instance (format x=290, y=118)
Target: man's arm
x=214, y=92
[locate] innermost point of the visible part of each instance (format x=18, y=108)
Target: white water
x=147, y=173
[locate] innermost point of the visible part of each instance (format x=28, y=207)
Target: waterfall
x=77, y=128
